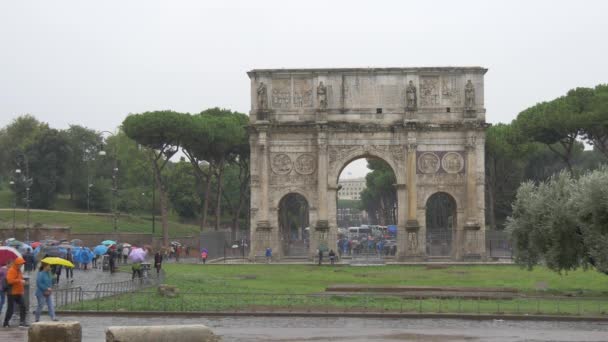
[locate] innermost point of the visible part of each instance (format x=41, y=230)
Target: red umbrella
x=8, y=254
x=35, y=244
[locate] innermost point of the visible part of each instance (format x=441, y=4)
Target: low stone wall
x=161, y=333
x=94, y=239
x=67, y=331
x=35, y=234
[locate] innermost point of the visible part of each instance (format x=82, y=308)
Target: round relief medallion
x=281, y=164
x=452, y=162
x=428, y=162
x=305, y=164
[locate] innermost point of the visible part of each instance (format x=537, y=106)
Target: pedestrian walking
x=136, y=270
x=332, y=256
x=3, y=290
x=29, y=261
x=268, y=255
x=14, y=279
x=44, y=289
x=178, y=250
x=57, y=271
x=125, y=254
x=158, y=262
x=69, y=272
x=320, y=256
x=204, y=255
x=112, y=259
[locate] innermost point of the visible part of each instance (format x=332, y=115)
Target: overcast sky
x=93, y=62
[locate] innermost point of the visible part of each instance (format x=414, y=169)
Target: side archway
x=293, y=211
x=441, y=223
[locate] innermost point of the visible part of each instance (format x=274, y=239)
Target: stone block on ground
x=161, y=333
x=168, y=290
x=67, y=331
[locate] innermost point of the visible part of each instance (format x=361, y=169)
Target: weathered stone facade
x=428, y=124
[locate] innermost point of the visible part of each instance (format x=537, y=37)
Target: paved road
x=353, y=329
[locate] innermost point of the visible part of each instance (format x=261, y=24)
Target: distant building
x=351, y=188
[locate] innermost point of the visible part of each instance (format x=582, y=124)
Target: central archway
x=440, y=223
x=294, y=224
x=367, y=207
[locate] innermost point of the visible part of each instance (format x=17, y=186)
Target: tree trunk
x=164, y=215
x=163, y=200
x=218, y=196
x=206, y=202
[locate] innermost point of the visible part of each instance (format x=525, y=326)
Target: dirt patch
x=247, y=276
x=436, y=267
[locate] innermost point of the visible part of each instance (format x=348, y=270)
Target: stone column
x=412, y=226
x=322, y=172
x=466, y=237
x=322, y=224
x=264, y=178
x=402, y=207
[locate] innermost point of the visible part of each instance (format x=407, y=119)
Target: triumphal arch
x=428, y=124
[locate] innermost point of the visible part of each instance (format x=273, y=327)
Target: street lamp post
x=114, y=203
x=14, y=186
x=26, y=180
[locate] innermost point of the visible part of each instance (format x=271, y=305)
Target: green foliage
x=562, y=222
x=380, y=196
x=182, y=194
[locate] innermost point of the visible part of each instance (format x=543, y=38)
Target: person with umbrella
x=3, y=291
x=112, y=258
x=69, y=272
x=137, y=256
x=44, y=288
x=15, y=280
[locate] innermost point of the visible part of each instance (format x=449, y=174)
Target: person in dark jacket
x=158, y=262
x=332, y=256
x=320, y=256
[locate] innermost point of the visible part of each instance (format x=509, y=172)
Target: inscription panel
x=390, y=95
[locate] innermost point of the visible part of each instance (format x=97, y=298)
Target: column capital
x=411, y=146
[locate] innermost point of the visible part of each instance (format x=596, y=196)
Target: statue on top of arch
x=411, y=97
x=469, y=96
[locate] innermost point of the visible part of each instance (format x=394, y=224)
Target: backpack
x=5, y=286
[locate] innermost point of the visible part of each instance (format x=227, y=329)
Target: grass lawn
x=296, y=287
x=94, y=223
x=311, y=278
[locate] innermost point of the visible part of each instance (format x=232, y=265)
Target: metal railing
x=113, y=288
x=67, y=296
x=249, y=302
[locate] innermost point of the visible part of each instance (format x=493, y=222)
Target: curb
x=480, y=317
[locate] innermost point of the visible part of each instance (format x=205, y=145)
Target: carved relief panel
x=302, y=93
x=293, y=168
x=440, y=162
x=281, y=93
x=429, y=91
x=450, y=91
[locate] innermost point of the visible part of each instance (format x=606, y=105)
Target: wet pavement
x=363, y=329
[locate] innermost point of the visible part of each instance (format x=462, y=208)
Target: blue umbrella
x=85, y=256
x=108, y=242
x=100, y=250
